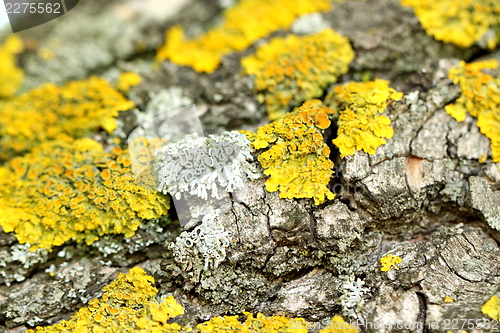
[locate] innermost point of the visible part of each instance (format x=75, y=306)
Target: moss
x=460, y=22
x=242, y=25
x=480, y=97
x=66, y=190
x=128, y=80
x=291, y=70
x=389, y=261
x=360, y=125
x=296, y=158
x=492, y=308
x=127, y=305
x=11, y=76
x=51, y=112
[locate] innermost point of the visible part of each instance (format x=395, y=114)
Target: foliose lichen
x=205, y=166
x=353, y=294
x=360, y=123
x=203, y=248
x=243, y=24
x=11, y=76
x=480, y=97
x=294, y=69
x=50, y=112
x=462, y=23
x=257, y=324
x=128, y=80
x=294, y=155
x=66, y=190
x=389, y=261
x=492, y=307
x=128, y=304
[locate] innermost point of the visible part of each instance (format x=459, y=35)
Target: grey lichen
x=203, y=248
x=205, y=167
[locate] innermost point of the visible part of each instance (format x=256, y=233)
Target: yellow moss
x=360, y=126
x=480, y=97
x=242, y=25
x=291, y=70
x=492, y=308
x=389, y=261
x=66, y=190
x=296, y=158
x=128, y=80
x=259, y=324
x=11, y=76
x=338, y=325
x=51, y=112
x=461, y=22
x=128, y=304
x=448, y=299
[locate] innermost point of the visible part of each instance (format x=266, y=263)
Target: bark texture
x=423, y=197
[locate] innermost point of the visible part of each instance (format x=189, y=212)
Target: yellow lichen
x=128, y=304
x=448, y=299
x=480, y=97
x=291, y=70
x=389, y=261
x=492, y=308
x=461, y=22
x=11, y=76
x=296, y=158
x=360, y=125
x=51, y=112
x=259, y=324
x=338, y=325
x=128, y=80
x=143, y=159
x=242, y=25
x=66, y=190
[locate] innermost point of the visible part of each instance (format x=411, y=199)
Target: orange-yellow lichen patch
x=291, y=70
x=11, y=76
x=295, y=158
x=338, y=325
x=128, y=304
x=360, y=125
x=258, y=324
x=492, y=308
x=448, y=299
x=242, y=25
x=128, y=80
x=143, y=160
x=461, y=22
x=51, y=112
x=480, y=97
x=66, y=190
x=389, y=261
